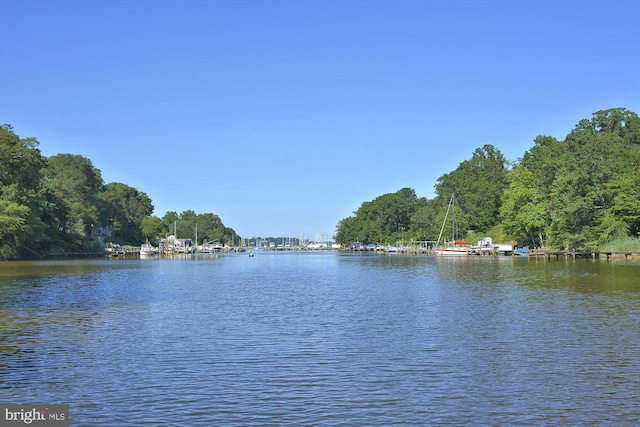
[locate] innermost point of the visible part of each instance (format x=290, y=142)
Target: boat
x=112, y=250
x=147, y=249
x=455, y=249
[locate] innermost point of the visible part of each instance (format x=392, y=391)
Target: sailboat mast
x=445, y=220
x=453, y=221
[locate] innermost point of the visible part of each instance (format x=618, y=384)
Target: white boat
x=112, y=250
x=147, y=249
x=455, y=249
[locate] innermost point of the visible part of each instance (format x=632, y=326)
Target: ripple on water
x=297, y=339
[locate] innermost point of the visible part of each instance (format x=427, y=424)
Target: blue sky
x=283, y=116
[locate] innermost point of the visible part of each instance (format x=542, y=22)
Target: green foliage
x=625, y=188
x=170, y=218
x=425, y=221
x=77, y=185
x=61, y=204
x=186, y=225
x=478, y=184
x=209, y=227
x=383, y=220
x=582, y=192
x=153, y=227
x=622, y=244
x=497, y=233
x=593, y=185
x=21, y=198
x=578, y=193
x=12, y=220
x=525, y=210
x=126, y=207
x=20, y=160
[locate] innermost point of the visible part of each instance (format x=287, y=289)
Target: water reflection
x=324, y=339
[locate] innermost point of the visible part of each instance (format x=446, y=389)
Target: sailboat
x=452, y=250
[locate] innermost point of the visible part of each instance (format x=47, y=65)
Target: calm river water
x=304, y=338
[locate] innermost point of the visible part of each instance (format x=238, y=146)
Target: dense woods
x=582, y=192
x=61, y=205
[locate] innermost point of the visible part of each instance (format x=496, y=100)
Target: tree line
x=61, y=204
x=582, y=192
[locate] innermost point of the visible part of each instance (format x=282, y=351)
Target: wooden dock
x=548, y=255
x=576, y=254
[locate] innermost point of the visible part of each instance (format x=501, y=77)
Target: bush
x=623, y=244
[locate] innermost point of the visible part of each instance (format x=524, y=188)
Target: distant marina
x=484, y=247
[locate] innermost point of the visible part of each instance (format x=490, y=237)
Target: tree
x=12, y=220
x=587, y=194
x=426, y=221
x=186, y=226
x=77, y=183
x=347, y=231
x=523, y=210
x=126, y=208
x=478, y=184
x=153, y=227
x=580, y=192
x=170, y=220
x=211, y=228
x=24, y=202
x=382, y=220
x=625, y=187
x=526, y=203
x=20, y=160
x=616, y=121
x=51, y=205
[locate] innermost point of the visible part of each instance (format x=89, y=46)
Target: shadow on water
x=579, y=275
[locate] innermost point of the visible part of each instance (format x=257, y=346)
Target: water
x=324, y=339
